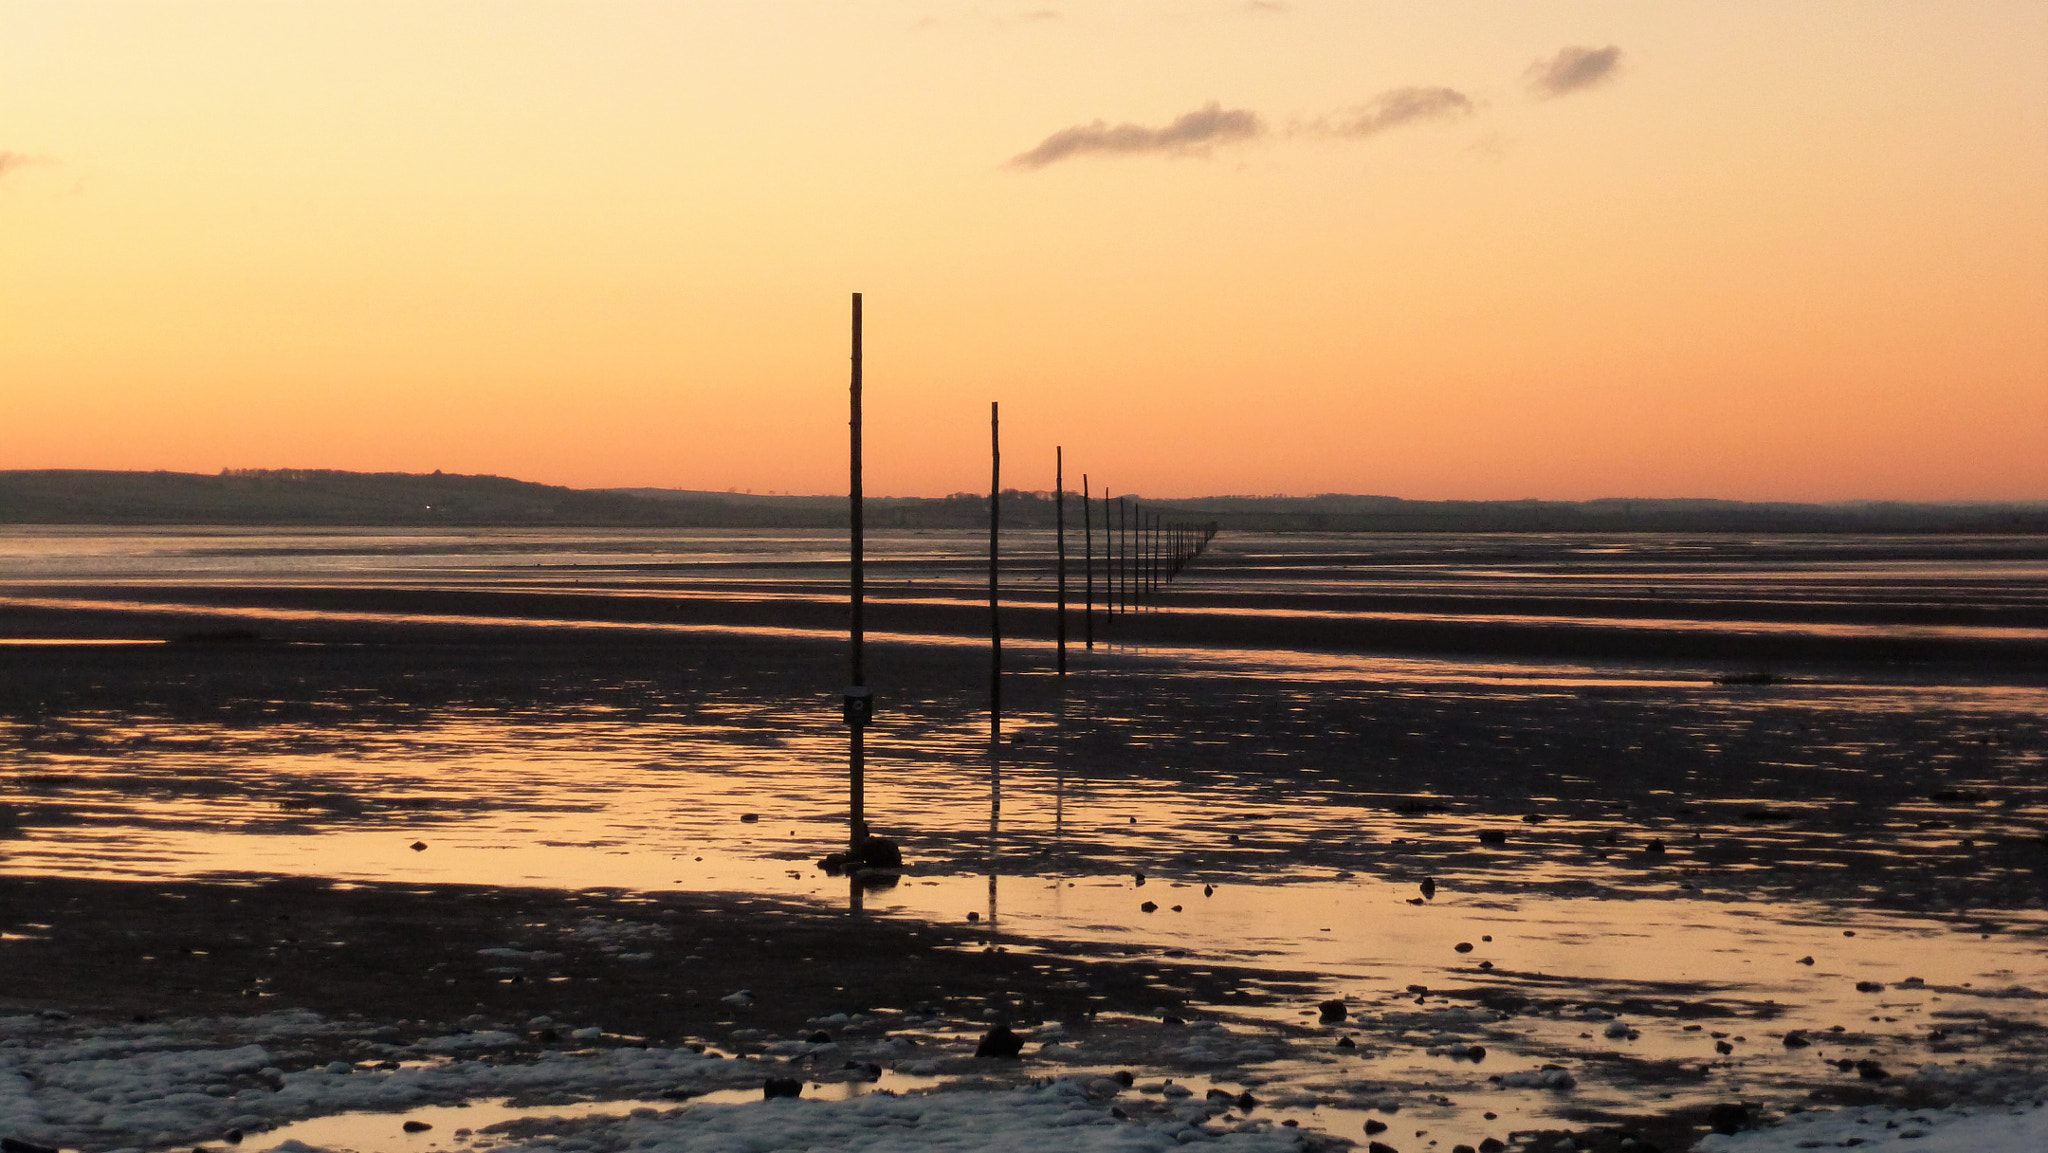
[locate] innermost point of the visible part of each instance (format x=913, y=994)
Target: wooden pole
x=995, y=620
x=1088, y=564
x=1059, y=520
x=856, y=695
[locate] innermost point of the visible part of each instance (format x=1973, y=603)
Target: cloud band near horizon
x=1194, y=131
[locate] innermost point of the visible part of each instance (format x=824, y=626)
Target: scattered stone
x=1796, y=1040
x=1493, y=836
x=1728, y=1118
x=775, y=1087
x=1246, y=1102
x=749, y=819
x=1170, y=1019
x=1870, y=986
x=1148, y=907
x=1346, y=1043
x=1208, y=890
x=1000, y=1043
x=1124, y=1077
x=16, y=1145
x=1379, y=1147
x=1655, y=848
x=1492, y=1145
x=1138, y=880
x=1333, y=1011
x=821, y=1037
x=1805, y=960
x=1871, y=1071
x=416, y=1126
x=1374, y=1125
x=973, y=916
x=419, y=846
x=1462, y=947
x=1723, y=1048
x=1428, y=887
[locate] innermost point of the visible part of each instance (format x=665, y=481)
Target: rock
x=1346, y=1043
x=1655, y=848
x=16, y=1145
x=419, y=846
x=416, y=1126
x=1796, y=1040
x=1871, y=1071
x=1374, y=1125
x=1148, y=907
x=775, y=1087
x=821, y=1037
x=749, y=819
x=1247, y=1102
x=1124, y=1077
x=972, y=917
x=1728, y=1118
x=1723, y=1048
x=1493, y=836
x=1463, y=1149
x=1870, y=986
x=1208, y=890
x=1428, y=887
x=1476, y=1054
x=1492, y=1145
x=1462, y=947
x=741, y=999
x=1616, y=1029
x=338, y=1067
x=232, y=1136
x=1138, y=880
x=1000, y=1043
x=1805, y=960
x=1175, y=1091
x=1333, y=1011
x=1379, y=1147
x=1170, y=1019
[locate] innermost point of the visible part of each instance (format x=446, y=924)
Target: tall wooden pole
x=1088, y=563
x=857, y=700
x=1059, y=520
x=995, y=620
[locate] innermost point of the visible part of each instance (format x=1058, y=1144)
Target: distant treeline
x=313, y=497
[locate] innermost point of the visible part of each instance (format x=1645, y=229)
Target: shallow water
x=1672, y=846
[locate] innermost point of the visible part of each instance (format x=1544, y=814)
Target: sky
x=1431, y=249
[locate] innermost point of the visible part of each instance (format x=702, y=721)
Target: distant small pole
x=1088, y=563
x=995, y=620
x=1123, y=560
x=1059, y=520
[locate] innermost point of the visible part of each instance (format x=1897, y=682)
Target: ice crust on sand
x=1963, y=1129
x=184, y=1082
x=1061, y=1115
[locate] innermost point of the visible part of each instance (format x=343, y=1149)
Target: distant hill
x=324, y=497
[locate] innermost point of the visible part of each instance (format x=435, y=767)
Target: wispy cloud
x=1193, y=132
x=9, y=161
x=1398, y=106
x=1269, y=7
x=1572, y=69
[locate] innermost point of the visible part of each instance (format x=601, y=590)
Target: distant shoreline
x=304, y=498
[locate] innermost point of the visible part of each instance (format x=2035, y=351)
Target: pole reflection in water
x=995, y=815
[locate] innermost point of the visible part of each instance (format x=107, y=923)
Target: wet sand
x=1854, y=792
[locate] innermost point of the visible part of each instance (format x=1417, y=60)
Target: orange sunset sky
x=1434, y=248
